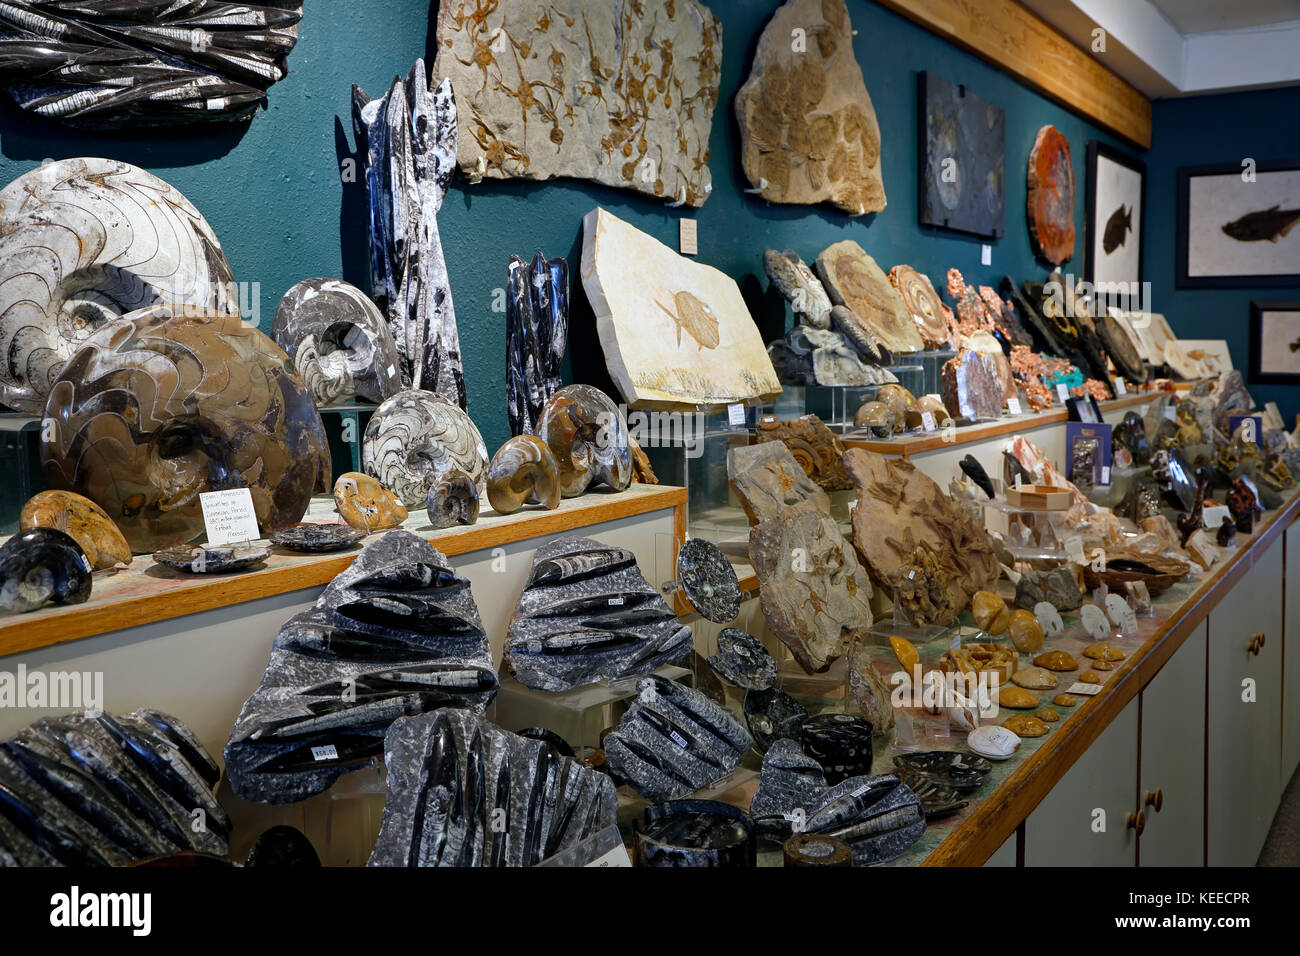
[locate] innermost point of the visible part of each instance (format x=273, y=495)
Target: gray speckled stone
x=767, y=478
x=708, y=580
x=789, y=780
x=396, y=633
x=588, y=614
x=801, y=287
x=452, y=775
x=743, y=661
x=879, y=817
x=674, y=741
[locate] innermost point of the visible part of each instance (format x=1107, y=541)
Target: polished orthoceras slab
x=83, y=242
x=339, y=342
x=144, y=62
x=396, y=633
x=673, y=741
x=463, y=792
x=588, y=614
x=82, y=790
x=622, y=92
x=427, y=452
x=407, y=139
x=537, y=333
x=878, y=816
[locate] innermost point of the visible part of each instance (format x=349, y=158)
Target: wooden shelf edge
x=981, y=834
x=58, y=625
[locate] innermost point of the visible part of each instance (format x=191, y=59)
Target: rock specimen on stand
x=879, y=817
x=864, y=341
x=900, y=509
x=789, y=782
x=537, y=333
x=814, y=593
x=808, y=129
x=802, y=289
x=407, y=140
x=463, y=792
x=339, y=342
x=975, y=384
x=812, y=356
x=708, y=580
x=588, y=614
x=396, y=633
x=855, y=281
x=922, y=304
x=83, y=521
x=921, y=588
x=868, y=689
x=1050, y=204
x=141, y=64
x=621, y=93
x=814, y=446
x=673, y=741
x=767, y=477
x=81, y=790
x=1057, y=587
x=743, y=661
x=674, y=331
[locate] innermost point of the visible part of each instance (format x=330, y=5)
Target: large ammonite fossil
x=83, y=241
x=417, y=441
x=144, y=62
x=170, y=402
x=338, y=340
x=922, y=303
x=588, y=436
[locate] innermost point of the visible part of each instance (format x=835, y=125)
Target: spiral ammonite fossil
x=416, y=439
x=588, y=435
x=83, y=241
x=922, y=303
x=170, y=402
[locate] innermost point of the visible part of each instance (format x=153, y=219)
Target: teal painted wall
x=273, y=193
x=1197, y=131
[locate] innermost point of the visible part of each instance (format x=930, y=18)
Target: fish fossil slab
x=463, y=792
x=338, y=341
x=537, y=333
x=84, y=242
x=408, y=141
x=107, y=791
x=587, y=614
x=143, y=62
x=674, y=741
x=1269, y=224
x=394, y=634
x=39, y=566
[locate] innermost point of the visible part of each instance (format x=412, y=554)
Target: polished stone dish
x=143, y=63
x=537, y=333
x=708, y=580
x=463, y=792
x=705, y=833
x=338, y=341
x=107, y=791
x=395, y=634
x=196, y=559
x=773, y=715
x=41, y=566
x=83, y=521
x=743, y=661
x=588, y=436
x=962, y=772
x=936, y=799
x=168, y=403
x=318, y=538
x=83, y=242
x=588, y=614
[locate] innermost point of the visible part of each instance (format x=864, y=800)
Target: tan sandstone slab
x=853, y=279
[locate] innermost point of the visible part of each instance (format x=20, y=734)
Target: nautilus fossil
x=339, y=342
x=587, y=434
x=83, y=241
x=169, y=403
x=417, y=440
x=39, y=566
x=523, y=470
x=83, y=521
x=366, y=504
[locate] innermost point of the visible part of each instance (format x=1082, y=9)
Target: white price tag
x=1121, y=387
x=615, y=601
x=1084, y=690
x=228, y=516
x=328, y=752
x=678, y=739
x=1171, y=413
x=927, y=421
x=392, y=370
x=1074, y=548
x=1105, y=474
x=736, y=414
x=1013, y=406
x=1094, y=621
x=1062, y=392
x=615, y=857
x=1049, y=618
x=688, y=237
x=986, y=254
x=1019, y=483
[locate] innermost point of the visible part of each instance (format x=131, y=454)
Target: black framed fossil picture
x=1275, y=342
x=1116, y=216
x=1238, y=225
x=963, y=152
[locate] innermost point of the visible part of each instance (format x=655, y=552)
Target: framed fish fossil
x=1239, y=225
x=1275, y=342
x=1112, y=252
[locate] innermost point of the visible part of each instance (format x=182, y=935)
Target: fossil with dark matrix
x=537, y=333
x=407, y=139
x=708, y=580
x=879, y=817
x=144, y=62
x=42, y=565
x=588, y=614
x=743, y=661
x=463, y=792
x=397, y=633
x=789, y=782
x=83, y=790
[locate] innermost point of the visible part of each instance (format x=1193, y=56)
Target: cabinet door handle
x=1155, y=799
x=1136, y=821
x=1256, y=644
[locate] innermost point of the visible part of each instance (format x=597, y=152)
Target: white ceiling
x=1185, y=47
x=1208, y=16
